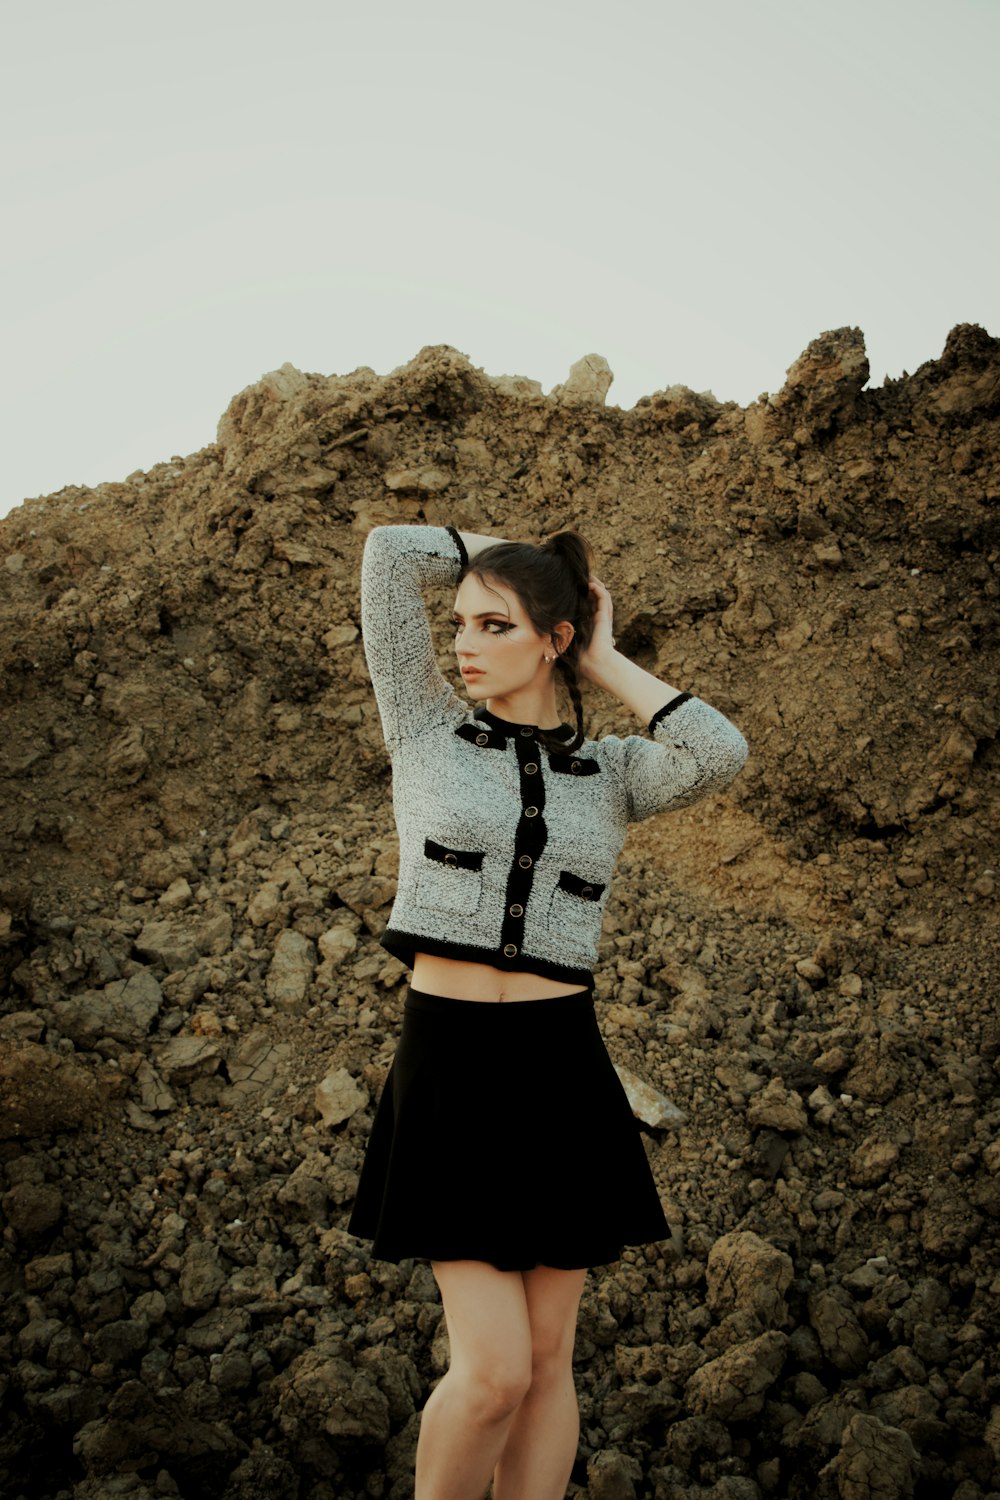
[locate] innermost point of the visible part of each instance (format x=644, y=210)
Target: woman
x=503, y=1148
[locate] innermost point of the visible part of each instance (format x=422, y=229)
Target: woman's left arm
x=694, y=750
x=606, y=667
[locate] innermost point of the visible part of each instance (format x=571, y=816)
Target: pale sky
x=196, y=193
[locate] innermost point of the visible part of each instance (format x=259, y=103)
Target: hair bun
x=571, y=548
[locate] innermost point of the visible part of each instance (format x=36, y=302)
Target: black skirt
x=504, y=1135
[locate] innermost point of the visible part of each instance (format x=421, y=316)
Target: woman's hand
x=592, y=664
x=606, y=667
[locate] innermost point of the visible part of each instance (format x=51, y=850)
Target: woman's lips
x=472, y=672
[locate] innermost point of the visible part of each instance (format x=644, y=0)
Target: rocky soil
x=198, y=856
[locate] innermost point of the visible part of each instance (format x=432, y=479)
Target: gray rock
x=338, y=1097
x=116, y=1343
x=873, y=1161
x=323, y=1401
x=747, y=1273
x=185, y=1058
x=588, y=383
x=175, y=943
x=33, y=1209
x=265, y=904
x=875, y=1462
x=778, y=1108
x=648, y=1104
x=291, y=971
x=612, y=1475
x=124, y=1011
x=335, y=945
x=734, y=1386
x=166, y=944
x=841, y=1336
x=256, y=1064
x=202, y=1276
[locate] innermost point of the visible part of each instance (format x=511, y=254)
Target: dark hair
x=552, y=582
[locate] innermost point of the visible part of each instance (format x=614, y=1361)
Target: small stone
x=919, y=934
x=809, y=970
x=874, y=1459
x=747, y=1274
x=828, y=554
x=888, y=648
x=429, y=481
x=612, y=1475
x=291, y=971
x=264, y=905
x=735, y=1386
x=176, y=896
x=340, y=635
x=841, y=1336
x=648, y=1104
x=777, y=1108
x=338, y=1097
x=588, y=382
x=32, y=1209
x=185, y=1058
x=872, y=1162
x=336, y=944
x=834, y=1060
x=202, y=1277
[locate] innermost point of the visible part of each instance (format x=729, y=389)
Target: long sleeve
x=398, y=563
x=694, y=750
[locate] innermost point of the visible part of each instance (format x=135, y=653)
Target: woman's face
x=499, y=650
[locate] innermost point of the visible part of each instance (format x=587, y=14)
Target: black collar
x=508, y=727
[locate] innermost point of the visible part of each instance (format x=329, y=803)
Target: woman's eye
x=498, y=627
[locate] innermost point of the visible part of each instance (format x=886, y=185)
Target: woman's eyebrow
x=489, y=614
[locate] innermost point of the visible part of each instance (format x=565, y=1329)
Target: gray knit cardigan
x=507, y=851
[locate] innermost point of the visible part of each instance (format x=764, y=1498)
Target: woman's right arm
x=474, y=543
x=399, y=562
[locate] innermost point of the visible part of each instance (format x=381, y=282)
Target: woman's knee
x=551, y=1353
x=496, y=1390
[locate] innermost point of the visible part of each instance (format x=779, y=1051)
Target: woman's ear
x=562, y=636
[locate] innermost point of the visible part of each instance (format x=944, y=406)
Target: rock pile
x=797, y=980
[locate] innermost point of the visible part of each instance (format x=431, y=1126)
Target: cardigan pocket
x=450, y=879
x=576, y=906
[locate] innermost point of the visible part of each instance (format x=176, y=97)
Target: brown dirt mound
x=198, y=856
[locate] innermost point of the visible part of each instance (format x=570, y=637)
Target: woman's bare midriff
x=457, y=979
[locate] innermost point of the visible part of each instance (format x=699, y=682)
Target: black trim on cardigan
x=668, y=708
x=587, y=890
x=460, y=859
x=460, y=547
x=486, y=739
x=530, y=838
x=574, y=765
x=518, y=731
x=406, y=945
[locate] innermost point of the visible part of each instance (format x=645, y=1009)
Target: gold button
x=510, y=950
x=527, y=733
x=451, y=859
x=575, y=767
x=588, y=890
x=526, y=861
x=530, y=768
x=516, y=911
x=531, y=812
x=482, y=739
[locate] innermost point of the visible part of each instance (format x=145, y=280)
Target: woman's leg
x=541, y=1445
x=466, y=1420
